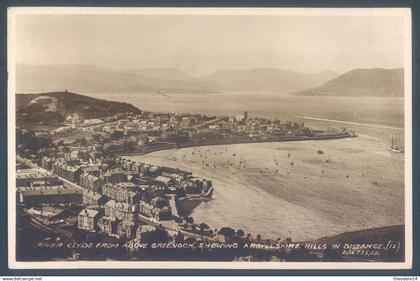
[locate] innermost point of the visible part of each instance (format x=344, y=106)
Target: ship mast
x=393, y=142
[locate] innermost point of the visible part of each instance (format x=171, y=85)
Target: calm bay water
x=355, y=184
x=384, y=111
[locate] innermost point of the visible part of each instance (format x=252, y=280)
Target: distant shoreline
x=214, y=143
x=350, y=123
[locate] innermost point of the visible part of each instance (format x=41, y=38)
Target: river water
x=304, y=189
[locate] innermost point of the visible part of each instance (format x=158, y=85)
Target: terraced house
x=91, y=182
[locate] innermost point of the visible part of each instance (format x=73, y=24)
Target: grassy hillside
x=52, y=108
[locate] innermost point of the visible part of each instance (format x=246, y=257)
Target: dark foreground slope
x=392, y=239
x=54, y=107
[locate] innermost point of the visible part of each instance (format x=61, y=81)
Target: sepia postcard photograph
x=209, y=138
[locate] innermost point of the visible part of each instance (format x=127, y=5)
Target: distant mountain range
x=91, y=79
x=267, y=79
x=52, y=108
x=376, y=82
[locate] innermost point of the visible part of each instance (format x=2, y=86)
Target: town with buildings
x=76, y=182
x=148, y=131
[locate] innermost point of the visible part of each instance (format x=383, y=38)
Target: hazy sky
x=202, y=44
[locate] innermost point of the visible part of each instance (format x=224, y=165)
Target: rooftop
x=92, y=194
x=162, y=179
x=110, y=203
x=90, y=177
x=125, y=184
x=50, y=192
x=88, y=213
x=29, y=174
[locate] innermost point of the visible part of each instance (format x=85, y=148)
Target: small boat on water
x=352, y=134
x=396, y=145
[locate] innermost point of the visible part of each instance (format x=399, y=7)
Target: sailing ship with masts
x=396, y=145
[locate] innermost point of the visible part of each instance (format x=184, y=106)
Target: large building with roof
x=91, y=182
x=87, y=219
x=50, y=196
x=69, y=172
x=33, y=177
x=122, y=192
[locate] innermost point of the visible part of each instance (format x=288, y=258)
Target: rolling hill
x=52, y=108
x=375, y=82
x=92, y=79
x=267, y=79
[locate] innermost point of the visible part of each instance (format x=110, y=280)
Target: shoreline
x=168, y=146
x=276, y=187
x=351, y=123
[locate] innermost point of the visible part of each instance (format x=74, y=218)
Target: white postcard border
x=404, y=12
